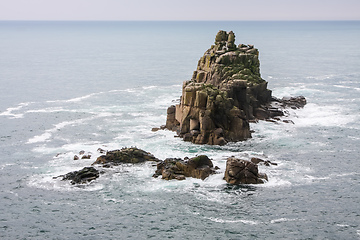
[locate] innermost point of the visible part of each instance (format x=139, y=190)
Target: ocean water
x=72, y=86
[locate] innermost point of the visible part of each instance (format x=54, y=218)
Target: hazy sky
x=180, y=10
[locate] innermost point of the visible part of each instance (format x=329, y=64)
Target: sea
x=67, y=87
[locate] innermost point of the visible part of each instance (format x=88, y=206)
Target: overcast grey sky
x=180, y=10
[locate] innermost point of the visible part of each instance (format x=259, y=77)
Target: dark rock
x=289, y=102
x=81, y=152
x=82, y=176
x=100, y=150
x=240, y=171
x=288, y=121
x=176, y=168
x=125, y=155
x=256, y=160
x=76, y=157
x=155, y=129
x=268, y=163
x=259, y=160
x=188, y=137
x=261, y=113
x=294, y=102
x=86, y=156
x=275, y=112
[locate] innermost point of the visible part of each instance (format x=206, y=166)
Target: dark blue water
x=71, y=86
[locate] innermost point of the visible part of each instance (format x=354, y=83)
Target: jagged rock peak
x=225, y=61
x=225, y=41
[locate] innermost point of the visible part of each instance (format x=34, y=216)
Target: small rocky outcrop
x=237, y=171
x=175, y=168
x=225, y=92
x=240, y=171
x=83, y=156
x=260, y=161
x=290, y=102
x=85, y=175
x=125, y=155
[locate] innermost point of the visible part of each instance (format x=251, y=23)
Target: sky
x=155, y=10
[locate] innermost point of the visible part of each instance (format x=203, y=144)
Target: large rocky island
x=225, y=92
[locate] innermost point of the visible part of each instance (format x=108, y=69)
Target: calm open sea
x=71, y=86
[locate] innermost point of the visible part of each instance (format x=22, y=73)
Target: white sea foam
x=40, y=138
x=347, y=87
x=219, y=220
x=10, y=112
x=48, y=182
x=49, y=132
x=313, y=115
x=51, y=110
x=321, y=77
x=149, y=87
x=343, y=225
x=77, y=99
x=279, y=220
x=276, y=182
x=2, y=166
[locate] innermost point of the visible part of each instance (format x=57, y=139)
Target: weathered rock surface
x=176, y=168
x=125, y=155
x=240, y=171
x=82, y=176
x=225, y=93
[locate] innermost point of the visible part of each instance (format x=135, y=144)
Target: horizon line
x=272, y=20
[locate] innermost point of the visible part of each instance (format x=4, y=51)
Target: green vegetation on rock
x=218, y=102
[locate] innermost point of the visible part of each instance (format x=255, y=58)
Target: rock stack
x=225, y=92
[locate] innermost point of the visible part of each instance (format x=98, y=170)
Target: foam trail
x=48, y=133
x=9, y=111
x=218, y=220
x=77, y=99
x=341, y=86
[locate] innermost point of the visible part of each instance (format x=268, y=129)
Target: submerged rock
x=125, y=155
x=82, y=176
x=175, y=168
x=224, y=94
x=240, y=171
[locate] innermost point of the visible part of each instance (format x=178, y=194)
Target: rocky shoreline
x=225, y=94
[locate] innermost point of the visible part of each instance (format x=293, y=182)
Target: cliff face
x=223, y=95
